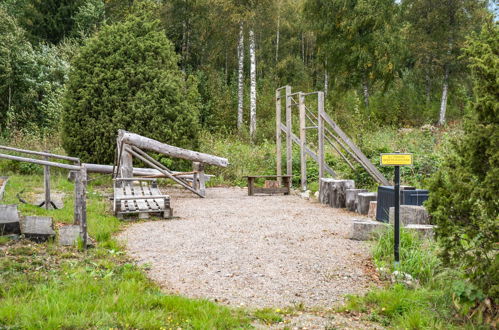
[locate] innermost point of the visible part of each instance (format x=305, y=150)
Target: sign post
x=397, y=160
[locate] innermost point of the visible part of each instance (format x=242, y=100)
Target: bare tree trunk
x=240, y=88
x=252, y=84
x=302, y=47
x=443, y=104
x=365, y=88
x=277, y=38
x=326, y=79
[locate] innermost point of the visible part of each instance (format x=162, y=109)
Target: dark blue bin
x=386, y=199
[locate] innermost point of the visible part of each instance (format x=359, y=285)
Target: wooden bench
x=285, y=189
x=140, y=196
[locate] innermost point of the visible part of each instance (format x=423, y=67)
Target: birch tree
x=252, y=83
x=240, y=82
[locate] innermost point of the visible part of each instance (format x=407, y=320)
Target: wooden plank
x=260, y=190
x=40, y=162
x=303, y=142
x=145, y=143
x=312, y=154
x=320, y=134
x=365, y=162
x=268, y=176
x=154, y=163
x=289, y=142
x=141, y=204
x=278, y=140
x=46, y=178
x=129, y=200
x=44, y=154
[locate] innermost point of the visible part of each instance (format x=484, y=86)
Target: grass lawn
x=45, y=286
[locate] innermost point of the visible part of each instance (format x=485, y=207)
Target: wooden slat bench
x=285, y=189
x=140, y=196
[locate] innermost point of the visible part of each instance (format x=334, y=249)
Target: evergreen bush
x=463, y=200
x=126, y=77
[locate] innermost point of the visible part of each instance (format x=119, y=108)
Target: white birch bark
x=443, y=104
x=252, y=84
x=240, y=86
x=277, y=38
x=365, y=87
x=326, y=79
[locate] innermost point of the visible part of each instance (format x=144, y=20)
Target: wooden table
x=286, y=182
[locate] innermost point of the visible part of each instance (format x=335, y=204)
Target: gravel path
x=259, y=251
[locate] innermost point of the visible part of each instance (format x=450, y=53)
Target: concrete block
x=363, y=201
x=363, y=230
x=411, y=214
x=372, y=209
x=423, y=231
x=68, y=235
x=37, y=228
x=9, y=220
x=351, y=198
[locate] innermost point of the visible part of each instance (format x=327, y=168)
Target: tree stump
x=351, y=198
x=372, y=209
x=338, y=192
x=325, y=188
x=363, y=201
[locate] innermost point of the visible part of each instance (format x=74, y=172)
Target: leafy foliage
x=126, y=77
x=464, y=201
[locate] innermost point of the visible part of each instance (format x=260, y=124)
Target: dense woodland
x=394, y=63
x=412, y=75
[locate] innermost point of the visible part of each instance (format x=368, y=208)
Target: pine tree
x=463, y=200
x=127, y=77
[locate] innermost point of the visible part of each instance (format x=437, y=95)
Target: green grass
x=441, y=299
x=44, y=286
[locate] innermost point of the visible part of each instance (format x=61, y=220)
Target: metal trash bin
x=408, y=196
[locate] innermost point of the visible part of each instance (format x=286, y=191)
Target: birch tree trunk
x=252, y=84
x=443, y=104
x=240, y=86
x=277, y=38
x=326, y=79
x=365, y=88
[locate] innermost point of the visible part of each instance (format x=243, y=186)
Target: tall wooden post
x=195, y=175
x=289, y=141
x=80, y=204
x=46, y=177
x=278, y=142
x=320, y=133
x=126, y=160
x=303, y=142
x=201, y=185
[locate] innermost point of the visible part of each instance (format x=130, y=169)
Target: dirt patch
x=259, y=251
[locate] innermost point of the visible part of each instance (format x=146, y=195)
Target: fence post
x=320, y=133
x=46, y=177
x=289, y=141
x=278, y=141
x=303, y=142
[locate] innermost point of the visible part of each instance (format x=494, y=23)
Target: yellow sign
x=396, y=159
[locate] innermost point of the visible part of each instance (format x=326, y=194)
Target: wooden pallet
x=140, y=196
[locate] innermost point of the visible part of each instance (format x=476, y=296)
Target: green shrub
x=464, y=202
x=127, y=77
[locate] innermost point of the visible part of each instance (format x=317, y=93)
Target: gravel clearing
x=253, y=251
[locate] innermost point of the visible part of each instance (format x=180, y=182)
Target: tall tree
x=357, y=39
x=50, y=20
x=436, y=34
x=252, y=51
x=240, y=77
